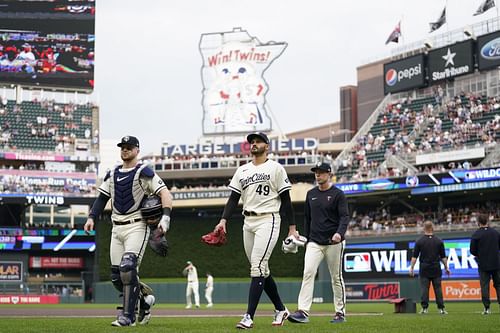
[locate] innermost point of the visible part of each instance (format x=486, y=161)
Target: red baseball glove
x=215, y=238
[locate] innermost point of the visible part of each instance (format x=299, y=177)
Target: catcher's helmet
x=151, y=208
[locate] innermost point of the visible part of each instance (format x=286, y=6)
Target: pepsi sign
x=488, y=51
x=404, y=74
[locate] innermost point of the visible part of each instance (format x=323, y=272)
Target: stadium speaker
x=428, y=44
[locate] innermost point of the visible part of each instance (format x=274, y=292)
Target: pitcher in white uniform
x=264, y=187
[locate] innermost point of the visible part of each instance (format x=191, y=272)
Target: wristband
x=167, y=211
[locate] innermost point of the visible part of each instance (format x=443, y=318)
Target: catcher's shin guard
x=115, y=278
x=131, y=289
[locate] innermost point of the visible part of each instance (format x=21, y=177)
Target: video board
x=53, y=240
x=47, y=43
x=392, y=259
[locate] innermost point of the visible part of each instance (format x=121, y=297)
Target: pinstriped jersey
x=260, y=186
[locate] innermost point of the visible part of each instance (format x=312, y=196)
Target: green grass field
x=362, y=317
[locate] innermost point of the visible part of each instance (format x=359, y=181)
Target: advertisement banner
x=11, y=271
x=392, y=259
x=462, y=290
x=56, y=262
x=451, y=61
x=234, y=88
x=29, y=299
x=488, y=51
x=372, y=291
x=404, y=74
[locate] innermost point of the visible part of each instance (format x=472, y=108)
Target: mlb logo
x=357, y=262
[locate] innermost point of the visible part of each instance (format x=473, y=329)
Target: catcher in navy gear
x=126, y=186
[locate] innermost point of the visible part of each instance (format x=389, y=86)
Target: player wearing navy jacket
x=484, y=245
x=326, y=218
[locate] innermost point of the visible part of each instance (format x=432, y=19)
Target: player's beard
x=258, y=151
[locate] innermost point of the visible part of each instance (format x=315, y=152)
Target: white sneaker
x=188, y=306
x=443, y=311
x=424, y=311
x=245, y=323
x=210, y=305
x=280, y=317
x=486, y=311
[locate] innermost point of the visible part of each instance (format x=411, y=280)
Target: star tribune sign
x=451, y=61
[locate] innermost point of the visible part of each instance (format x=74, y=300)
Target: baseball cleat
x=486, y=311
x=424, y=311
x=122, y=321
x=245, y=323
x=299, y=316
x=443, y=311
x=280, y=317
x=338, y=318
x=145, y=310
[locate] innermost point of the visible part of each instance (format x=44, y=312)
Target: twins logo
x=391, y=77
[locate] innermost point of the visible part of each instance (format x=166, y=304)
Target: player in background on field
x=209, y=289
x=264, y=188
x=430, y=251
x=193, y=285
x=326, y=217
x=484, y=245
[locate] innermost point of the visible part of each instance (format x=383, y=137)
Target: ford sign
x=491, y=50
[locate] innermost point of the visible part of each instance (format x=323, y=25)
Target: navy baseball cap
x=260, y=135
x=322, y=166
x=129, y=140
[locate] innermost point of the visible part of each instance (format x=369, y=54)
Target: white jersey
x=260, y=186
x=210, y=281
x=192, y=274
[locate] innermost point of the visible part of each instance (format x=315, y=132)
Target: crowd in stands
x=450, y=218
x=430, y=125
x=55, y=124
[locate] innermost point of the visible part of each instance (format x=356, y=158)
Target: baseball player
x=126, y=186
x=326, y=218
x=264, y=187
x=193, y=285
x=209, y=289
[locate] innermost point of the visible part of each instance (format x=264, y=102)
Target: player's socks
x=272, y=291
x=256, y=288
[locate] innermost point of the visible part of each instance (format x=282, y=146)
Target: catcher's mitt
x=215, y=238
x=158, y=242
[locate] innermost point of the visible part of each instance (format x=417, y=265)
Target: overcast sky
x=148, y=65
